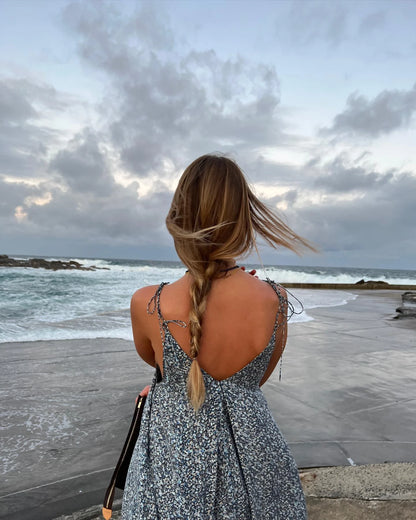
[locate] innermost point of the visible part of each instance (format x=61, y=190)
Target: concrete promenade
x=373, y=492
x=347, y=397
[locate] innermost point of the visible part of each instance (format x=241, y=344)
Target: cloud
x=388, y=111
x=83, y=165
x=374, y=221
x=24, y=139
x=310, y=22
x=350, y=208
x=165, y=103
x=14, y=105
x=13, y=194
x=83, y=198
x=328, y=23
x=340, y=175
x=371, y=23
x=119, y=217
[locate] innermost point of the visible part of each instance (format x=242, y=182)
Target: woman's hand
x=144, y=392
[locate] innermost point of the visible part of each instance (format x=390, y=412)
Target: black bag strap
x=118, y=479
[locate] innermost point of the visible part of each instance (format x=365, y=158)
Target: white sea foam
x=338, y=275
x=38, y=304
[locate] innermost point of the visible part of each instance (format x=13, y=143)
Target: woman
x=209, y=447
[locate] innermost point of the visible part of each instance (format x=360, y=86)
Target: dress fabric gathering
x=228, y=461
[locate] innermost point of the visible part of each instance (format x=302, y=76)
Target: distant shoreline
x=371, y=284
x=54, y=265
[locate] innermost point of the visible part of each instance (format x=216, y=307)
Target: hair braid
x=199, y=290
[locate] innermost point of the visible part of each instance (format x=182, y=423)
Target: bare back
x=238, y=323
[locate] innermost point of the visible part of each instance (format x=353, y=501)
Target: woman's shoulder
x=267, y=287
x=142, y=296
x=268, y=292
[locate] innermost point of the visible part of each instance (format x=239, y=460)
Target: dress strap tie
x=287, y=310
x=154, y=306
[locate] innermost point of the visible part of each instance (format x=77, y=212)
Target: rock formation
x=54, y=265
x=372, y=284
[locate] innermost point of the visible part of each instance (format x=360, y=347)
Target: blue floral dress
x=228, y=461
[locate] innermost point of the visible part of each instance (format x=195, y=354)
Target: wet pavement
x=348, y=392
x=347, y=396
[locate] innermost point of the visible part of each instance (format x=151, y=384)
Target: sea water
x=38, y=304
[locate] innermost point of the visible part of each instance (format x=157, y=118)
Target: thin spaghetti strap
x=284, y=300
x=286, y=309
x=154, y=306
x=154, y=302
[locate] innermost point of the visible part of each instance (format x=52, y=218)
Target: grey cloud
x=119, y=217
x=13, y=194
x=354, y=213
x=309, y=22
x=290, y=196
x=388, y=111
x=340, y=177
x=276, y=174
x=83, y=165
x=22, y=100
x=14, y=107
x=89, y=202
x=162, y=104
x=165, y=104
x=23, y=149
x=152, y=27
x=111, y=42
x=371, y=22
x=380, y=222
x=23, y=141
x=326, y=22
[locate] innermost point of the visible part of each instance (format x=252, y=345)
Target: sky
x=104, y=103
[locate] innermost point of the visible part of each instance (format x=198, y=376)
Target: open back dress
x=228, y=461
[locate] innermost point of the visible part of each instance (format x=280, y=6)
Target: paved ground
x=348, y=396
x=348, y=392
x=382, y=492
x=379, y=492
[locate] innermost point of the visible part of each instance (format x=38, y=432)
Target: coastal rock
x=54, y=265
x=372, y=284
x=408, y=307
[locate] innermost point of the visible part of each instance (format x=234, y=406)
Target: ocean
x=38, y=304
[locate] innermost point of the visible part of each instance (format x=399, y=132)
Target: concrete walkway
x=348, y=396
x=379, y=492
x=382, y=492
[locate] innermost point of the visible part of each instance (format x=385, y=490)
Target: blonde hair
x=214, y=218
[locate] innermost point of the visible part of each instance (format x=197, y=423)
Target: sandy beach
x=347, y=397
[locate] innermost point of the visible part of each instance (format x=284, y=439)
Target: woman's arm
x=140, y=324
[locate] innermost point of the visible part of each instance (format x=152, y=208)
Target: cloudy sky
x=103, y=104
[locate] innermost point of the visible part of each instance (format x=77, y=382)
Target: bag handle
x=120, y=473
